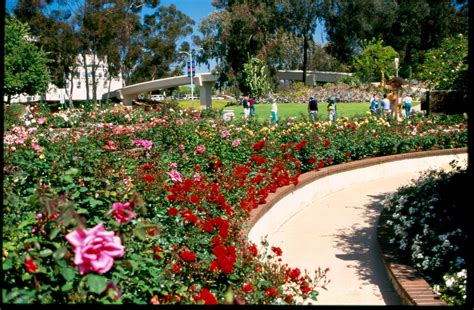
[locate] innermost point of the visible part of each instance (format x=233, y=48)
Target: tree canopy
x=25, y=65
x=375, y=59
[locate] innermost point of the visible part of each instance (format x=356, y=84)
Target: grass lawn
x=263, y=111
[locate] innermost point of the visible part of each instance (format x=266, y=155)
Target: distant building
x=55, y=94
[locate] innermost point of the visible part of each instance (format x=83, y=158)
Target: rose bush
x=176, y=189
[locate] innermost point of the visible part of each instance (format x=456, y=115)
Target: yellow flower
x=42, y=157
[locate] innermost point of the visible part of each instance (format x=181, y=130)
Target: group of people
x=249, y=107
x=313, y=108
x=386, y=106
x=248, y=104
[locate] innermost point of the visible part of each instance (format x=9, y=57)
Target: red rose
x=277, y=250
x=327, y=143
x=149, y=178
x=330, y=161
x=188, y=256
x=347, y=153
x=172, y=211
x=207, y=297
x=320, y=164
x=247, y=288
x=30, y=265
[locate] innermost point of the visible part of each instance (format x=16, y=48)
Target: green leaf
x=72, y=171
x=66, y=287
x=59, y=253
x=7, y=264
x=68, y=273
x=96, y=283
x=54, y=233
x=140, y=233
x=45, y=253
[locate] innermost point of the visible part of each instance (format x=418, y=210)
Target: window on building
x=100, y=75
x=67, y=85
x=78, y=84
x=105, y=84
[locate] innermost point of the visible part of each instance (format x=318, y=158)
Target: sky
x=197, y=10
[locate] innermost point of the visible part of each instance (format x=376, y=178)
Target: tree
x=446, y=67
x=257, y=77
x=410, y=27
x=301, y=19
x=25, y=65
x=244, y=29
x=376, y=61
x=162, y=31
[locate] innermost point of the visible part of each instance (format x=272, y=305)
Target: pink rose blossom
x=146, y=144
x=174, y=166
x=200, y=149
x=175, y=176
x=236, y=143
x=95, y=249
x=41, y=120
x=38, y=148
x=197, y=177
x=122, y=212
x=225, y=133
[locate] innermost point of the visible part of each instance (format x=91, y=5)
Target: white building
x=79, y=92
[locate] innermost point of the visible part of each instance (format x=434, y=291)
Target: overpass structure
x=311, y=76
x=205, y=81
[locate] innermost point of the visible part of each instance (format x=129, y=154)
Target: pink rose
x=95, y=250
x=122, y=212
x=200, y=149
x=41, y=120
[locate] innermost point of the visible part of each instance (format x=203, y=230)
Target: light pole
x=191, y=73
x=397, y=60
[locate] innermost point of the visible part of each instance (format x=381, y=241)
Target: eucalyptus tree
x=300, y=18
x=162, y=30
x=243, y=29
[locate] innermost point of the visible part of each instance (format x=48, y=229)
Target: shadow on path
x=362, y=249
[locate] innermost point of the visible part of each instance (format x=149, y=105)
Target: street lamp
x=397, y=60
x=190, y=54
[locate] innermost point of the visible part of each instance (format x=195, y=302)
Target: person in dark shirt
x=313, y=108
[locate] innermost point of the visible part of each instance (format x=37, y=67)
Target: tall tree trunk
x=71, y=80
x=305, y=56
x=94, y=82
x=87, y=76
x=109, y=77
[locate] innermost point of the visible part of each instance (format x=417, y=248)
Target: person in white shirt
x=274, y=111
x=385, y=105
x=407, y=101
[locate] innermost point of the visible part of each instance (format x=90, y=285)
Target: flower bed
x=147, y=206
x=425, y=226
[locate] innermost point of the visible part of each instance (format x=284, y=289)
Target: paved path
x=342, y=226
x=338, y=231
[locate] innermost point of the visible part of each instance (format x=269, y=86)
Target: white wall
x=79, y=83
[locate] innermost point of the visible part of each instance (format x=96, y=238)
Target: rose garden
x=148, y=205
x=110, y=197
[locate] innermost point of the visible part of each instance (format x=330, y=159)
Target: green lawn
x=263, y=111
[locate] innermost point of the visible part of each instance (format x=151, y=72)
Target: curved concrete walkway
x=331, y=222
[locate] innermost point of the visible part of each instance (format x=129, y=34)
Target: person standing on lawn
x=332, y=112
x=385, y=106
x=274, y=111
x=252, y=106
x=407, y=101
x=245, y=104
x=313, y=108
